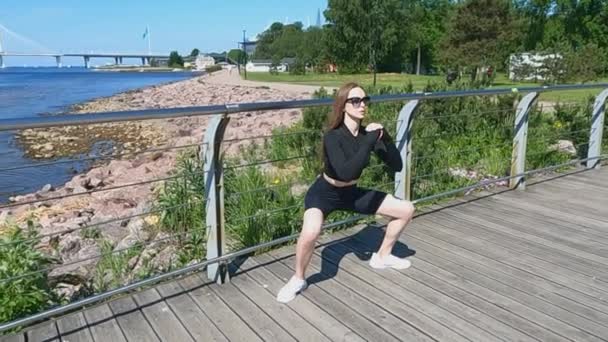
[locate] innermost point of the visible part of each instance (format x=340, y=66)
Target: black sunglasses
x=356, y=101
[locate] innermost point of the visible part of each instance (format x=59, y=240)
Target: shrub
x=213, y=68
x=18, y=256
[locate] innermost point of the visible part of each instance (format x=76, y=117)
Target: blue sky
x=113, y=25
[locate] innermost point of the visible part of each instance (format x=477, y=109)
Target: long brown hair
x=337, y=114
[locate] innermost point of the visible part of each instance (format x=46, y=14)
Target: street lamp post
x=244, y=55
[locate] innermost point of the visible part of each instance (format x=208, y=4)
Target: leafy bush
x=175, y=60
x=18, y=256
x=298, y=67
x=213, y=68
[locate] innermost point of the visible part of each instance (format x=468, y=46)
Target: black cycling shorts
x=326, y=197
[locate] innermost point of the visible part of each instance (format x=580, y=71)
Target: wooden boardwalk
x=516, y=266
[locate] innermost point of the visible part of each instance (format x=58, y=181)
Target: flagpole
x=148, y=40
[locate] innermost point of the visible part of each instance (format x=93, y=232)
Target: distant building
x=199, y=62
x=529, y=66
x=159, y=62
x=263, y=65
x=202, y=62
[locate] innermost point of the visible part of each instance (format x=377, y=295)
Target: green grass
x=418, y=82
x=336, y=80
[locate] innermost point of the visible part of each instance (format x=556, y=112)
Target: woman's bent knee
x=407, y=211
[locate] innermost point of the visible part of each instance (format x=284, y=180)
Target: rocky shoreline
x=90, y=200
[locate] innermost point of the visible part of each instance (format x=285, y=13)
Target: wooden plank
x=552, y=259
x=582, y=179
x=382, y=312
x=534, y=237
x=164, y=322
x=557, y=212
x=340, y=308
x=559, y=196
x=511, y=325
x=531, y=265
x=192, y=317
x=102, y=324
x=569, y=192
x=74, y=327
x=550, y=215
x=218, y=312
x=520, y=216
x=282, y=314
x=543, y=206
x=578, y=181
x=462, y=319
x=532, y=284
x=400, y=303
x=45, y=332
x=132, y=322
x=18, y=337
x=310, y=312
x=251, y=314
x=534, y=309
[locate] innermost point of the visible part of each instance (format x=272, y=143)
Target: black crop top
x=345, y=155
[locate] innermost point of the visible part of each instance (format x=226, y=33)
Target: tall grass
x=18, y=256
x=182, y=201
x=112, y=269
x=260, y=204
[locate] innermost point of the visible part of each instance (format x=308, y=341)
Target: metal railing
x=214, y=171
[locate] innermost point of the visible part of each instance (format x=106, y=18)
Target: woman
x=347, y=146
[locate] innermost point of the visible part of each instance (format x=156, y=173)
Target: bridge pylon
x=2, y=66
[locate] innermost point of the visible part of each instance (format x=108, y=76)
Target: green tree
x=534, y=16
x=289, y=41
x=587, y=63
x=480, y=34
x=195, y=52
x=274, y=66
x=312, y=50
x=264, y=49
x=549, y=22
x=362, y=32
x=583, y=21
x=236, y=55
x=175, y=60
x=426, y=20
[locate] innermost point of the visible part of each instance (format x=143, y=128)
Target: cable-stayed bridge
x=42, y=51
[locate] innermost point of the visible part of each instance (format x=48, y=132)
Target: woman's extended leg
x=311, y=229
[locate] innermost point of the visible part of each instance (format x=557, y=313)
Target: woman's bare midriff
x=338, y=183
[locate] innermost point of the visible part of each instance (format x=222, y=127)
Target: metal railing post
x=214, y=195
x=520, y=141
x=597, y=128
x=403, y=178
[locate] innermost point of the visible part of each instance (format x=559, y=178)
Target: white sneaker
x=389, y=261
x=291, y=289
